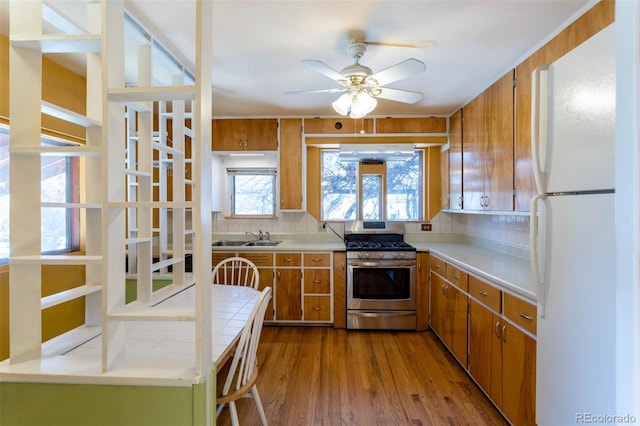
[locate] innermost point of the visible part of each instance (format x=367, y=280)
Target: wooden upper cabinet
x=595, y=19
x=291, y=192
x=488, y=148
x=345, y=125
x=245, y=134
x=411, y=125
x=455, y=161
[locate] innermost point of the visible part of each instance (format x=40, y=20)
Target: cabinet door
x=519, y=372
x=455, y=161
x=456, y=323
x=437, y=304
x=266, y=280
x=444, y=179
x=485, y=350
x=475, y=137
x=261, y=134
x=291, y=164
x=340, y=289
x=288, y=294
x=498, y=148
x=422, y=291
x=227, y=135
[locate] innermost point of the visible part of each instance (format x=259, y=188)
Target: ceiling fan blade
x=325, y=69
x=397, y=95
x=398, y=71
x=297, y=92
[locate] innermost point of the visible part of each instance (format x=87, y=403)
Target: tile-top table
x=156, y=352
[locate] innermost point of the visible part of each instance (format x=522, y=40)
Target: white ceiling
x=258, y=46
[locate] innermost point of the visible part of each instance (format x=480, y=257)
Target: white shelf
x=67, y=115
x=58, y=151
x=167, y=149
x=151, y=204
x=72, y=205
x=153, y=93
x=55, y=260
x=139, y=311
x=137, y=240
x=131, y=172
x=165, y=263
x=71, y=294
x=60, y=43
x=71, y=339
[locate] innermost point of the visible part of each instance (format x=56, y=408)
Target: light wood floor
x=325, y=376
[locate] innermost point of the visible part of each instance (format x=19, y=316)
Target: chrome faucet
x=260, y=235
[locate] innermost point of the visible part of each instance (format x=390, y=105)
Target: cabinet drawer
x=217, y=257
x=485, y=293
x=317, y=281
x=317, y=308
x=520, y=312
x=317, y=259
x=437, y=265
x=457, y=277
x=288, y=259
x=259, y=259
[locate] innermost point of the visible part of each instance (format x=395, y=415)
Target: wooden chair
x=236, y=271
x=237, y=379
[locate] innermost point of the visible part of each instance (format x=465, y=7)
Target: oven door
x=381, y=285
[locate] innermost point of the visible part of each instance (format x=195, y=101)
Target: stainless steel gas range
x=381, y=276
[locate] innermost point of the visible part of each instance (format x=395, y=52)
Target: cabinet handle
x=525, y=316
x=246, y=143
x=315, y=308
x=444, y=288
x=282, y=202
x=288, y=259
x=504, y=333
x=316, y=281
x=496, y=330
x=482, y=293
x=436, y=266
x=316, y=260
x=278, y=274
x=456, y=277
x=240, y=143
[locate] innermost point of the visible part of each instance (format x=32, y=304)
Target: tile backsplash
x=508, y=229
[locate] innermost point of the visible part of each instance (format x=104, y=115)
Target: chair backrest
x=245, y=358
x=236, y=271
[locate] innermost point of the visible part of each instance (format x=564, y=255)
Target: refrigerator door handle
x=537, y=258
x=539, y=102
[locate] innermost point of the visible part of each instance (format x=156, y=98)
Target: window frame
x=72, y=193
x=232, y=173
x=420, y=191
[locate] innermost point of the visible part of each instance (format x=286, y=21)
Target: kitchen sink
x=263, y=243
x=227, y=243
x=235, y=243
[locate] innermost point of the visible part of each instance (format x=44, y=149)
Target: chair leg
x=233, y=413
x=256, y=398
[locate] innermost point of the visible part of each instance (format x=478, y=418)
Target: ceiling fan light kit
x=362, y=86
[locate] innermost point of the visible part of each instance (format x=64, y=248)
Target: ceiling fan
x=361, y=86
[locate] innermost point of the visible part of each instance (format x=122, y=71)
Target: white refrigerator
x=573, y=233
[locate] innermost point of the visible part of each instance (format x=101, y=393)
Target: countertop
x=509, y=271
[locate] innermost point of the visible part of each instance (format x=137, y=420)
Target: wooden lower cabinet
x=317, y=308
x=340, y=289
x=490, y=333
x=422, y=291
x=449, y=316
x=519, y=376
x=485, y=350
x=288, y=286
x=502, y=360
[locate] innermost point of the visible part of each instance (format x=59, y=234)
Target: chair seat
x=233, y=395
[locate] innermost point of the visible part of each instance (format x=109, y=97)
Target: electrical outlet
x=426, y=227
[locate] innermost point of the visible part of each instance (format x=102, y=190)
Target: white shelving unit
x=132, y=173
x=27, y=46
